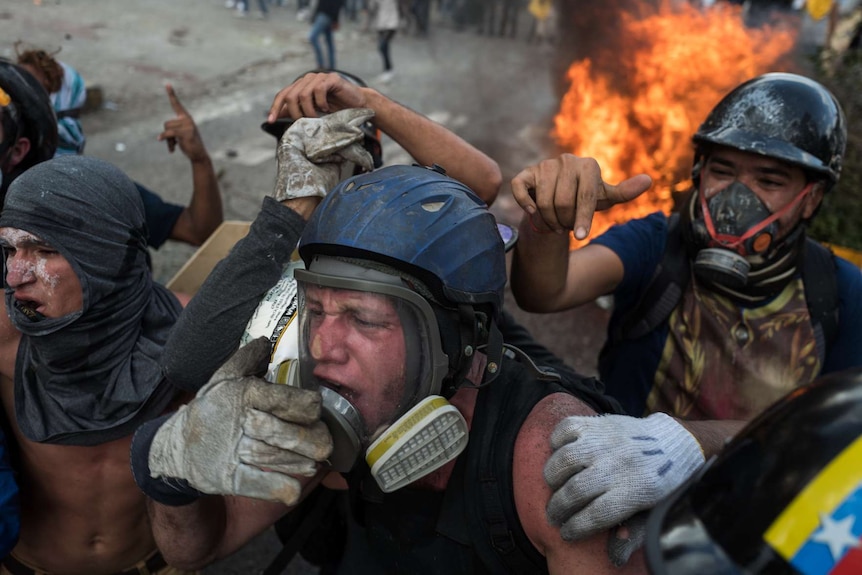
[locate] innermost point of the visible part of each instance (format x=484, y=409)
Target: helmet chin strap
x=475, y=337
x=735, y=243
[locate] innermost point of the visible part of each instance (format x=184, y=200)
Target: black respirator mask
x=735, y=236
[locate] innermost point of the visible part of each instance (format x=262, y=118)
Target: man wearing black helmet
x=719, y=310
x=28, y=126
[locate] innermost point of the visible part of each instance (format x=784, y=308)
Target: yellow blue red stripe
x=819, y=532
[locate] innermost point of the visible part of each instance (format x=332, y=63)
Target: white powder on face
x=35, y=266
x=14, y=237
x=48, y=279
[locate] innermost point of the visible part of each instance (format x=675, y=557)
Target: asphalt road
x=498, y=93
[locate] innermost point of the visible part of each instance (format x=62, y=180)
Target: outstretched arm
x=425, y=140
x=232, y=291
x=559, y=196
x=204, y=212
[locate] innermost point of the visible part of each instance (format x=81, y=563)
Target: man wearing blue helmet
x=414, y=404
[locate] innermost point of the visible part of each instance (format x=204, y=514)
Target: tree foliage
x=840, y=216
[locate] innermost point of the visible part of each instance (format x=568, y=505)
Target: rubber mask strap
x=735, y=242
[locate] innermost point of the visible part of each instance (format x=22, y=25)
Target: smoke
x=594, y=30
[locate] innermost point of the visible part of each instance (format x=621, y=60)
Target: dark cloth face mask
x=93, y=375
x=734, y=231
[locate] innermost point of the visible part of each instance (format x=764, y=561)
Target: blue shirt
x=10, y=511
x=640, y=244
x=161, y=216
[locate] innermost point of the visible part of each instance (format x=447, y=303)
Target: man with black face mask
x=740, y=324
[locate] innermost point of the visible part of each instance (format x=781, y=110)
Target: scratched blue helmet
x=432, y=234
x=419, y=221
x=785, y=496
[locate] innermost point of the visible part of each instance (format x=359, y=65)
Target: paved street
x=498, y=93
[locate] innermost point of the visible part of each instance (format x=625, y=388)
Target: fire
x=670, y=67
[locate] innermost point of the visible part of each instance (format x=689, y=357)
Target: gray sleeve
x=210, y=327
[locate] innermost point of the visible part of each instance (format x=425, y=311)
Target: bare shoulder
x=532, y=449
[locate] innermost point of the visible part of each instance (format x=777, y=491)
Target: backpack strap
x=664, y=291
x=819, y=276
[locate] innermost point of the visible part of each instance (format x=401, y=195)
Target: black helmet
x=371, y=141
x=29, y=115
x=778, y=497
x=783, y=116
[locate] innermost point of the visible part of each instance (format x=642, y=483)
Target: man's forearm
x=428, y=143
x=539, y=268
x=188, y=536
x=209, y=329
x=712, y=435
x=204, y=212
x=206, y=204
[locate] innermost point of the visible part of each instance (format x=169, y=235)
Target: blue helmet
x=433, y=233
x=419, y=221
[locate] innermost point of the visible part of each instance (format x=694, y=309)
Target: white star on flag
x=837, y=535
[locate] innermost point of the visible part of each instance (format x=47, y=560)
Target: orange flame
x=673, y=66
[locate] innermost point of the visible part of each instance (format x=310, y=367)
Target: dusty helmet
x=28, y=115
x=783, y=116
x=781, y=496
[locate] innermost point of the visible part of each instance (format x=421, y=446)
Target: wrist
x=303, y=206
x=201, y=160
x=165, y=490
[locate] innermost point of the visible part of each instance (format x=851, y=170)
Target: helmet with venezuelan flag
x=784, y=496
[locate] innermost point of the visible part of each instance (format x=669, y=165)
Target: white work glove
x=313, y=151
x=605, y=468
x=242, y=435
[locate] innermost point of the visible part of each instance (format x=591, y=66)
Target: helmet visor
x=371, y=342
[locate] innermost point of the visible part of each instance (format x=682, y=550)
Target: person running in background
x=386, y=21
x=325, y=22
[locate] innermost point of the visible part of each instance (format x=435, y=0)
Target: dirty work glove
x=241, y=435
x=627, y=538
x=313, y=151
x=607, y=467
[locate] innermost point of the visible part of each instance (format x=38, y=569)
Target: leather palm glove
x=240, y=435
x=606, y=468
x=313, y=152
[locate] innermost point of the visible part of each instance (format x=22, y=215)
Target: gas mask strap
x=468, y=328
x=494, y=352
x=733, y=242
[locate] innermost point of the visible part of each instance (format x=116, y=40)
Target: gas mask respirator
x=732, y=226
x=734, y=232
x=397, y=417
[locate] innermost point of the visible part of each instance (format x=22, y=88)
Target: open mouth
x=29, y=308
x=336, y=387
x=344, y=392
